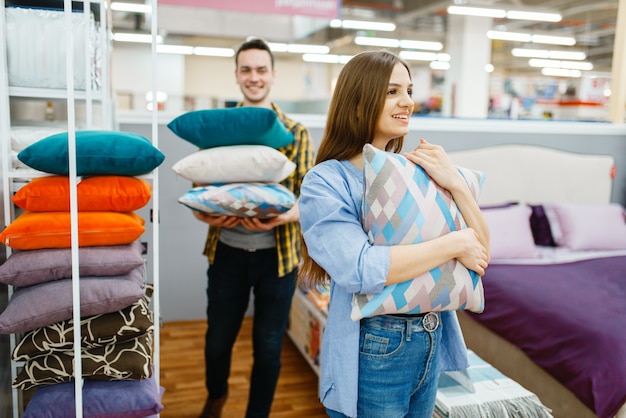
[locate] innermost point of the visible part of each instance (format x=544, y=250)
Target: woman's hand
x=473, y=254
x=434, y=160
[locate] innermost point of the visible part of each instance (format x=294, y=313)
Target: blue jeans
x=398, y=362
x=231, y=277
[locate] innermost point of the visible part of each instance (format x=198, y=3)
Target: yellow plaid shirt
x=288, y=236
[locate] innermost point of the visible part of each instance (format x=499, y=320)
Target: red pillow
x=36, y=230
x=98, y=193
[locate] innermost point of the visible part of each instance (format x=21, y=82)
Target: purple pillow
x=43, y=304
x=587, y=227
x=540, y=225
x=509, y=232
x=112, y=399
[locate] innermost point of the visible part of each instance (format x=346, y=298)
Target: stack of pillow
x=117, y=324
x=238, y=168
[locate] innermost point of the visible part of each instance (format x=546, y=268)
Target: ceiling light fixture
x=501, y=13
x=569, y=65
x=327, y=59
x=526, y=37
x=424, y=56
x=131, y=7
x=559, y=72
x=175, y=49
x=136, y=37
x=554, y=40
x=536, y=16
x=362, y=25
x=546, y=54
x=439, y=65
x=476, y=11
x=213, y=52
x=398, y=43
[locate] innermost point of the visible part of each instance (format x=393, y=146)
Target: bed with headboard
x=555, y=289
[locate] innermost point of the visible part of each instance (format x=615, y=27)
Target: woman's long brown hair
x=354, y=110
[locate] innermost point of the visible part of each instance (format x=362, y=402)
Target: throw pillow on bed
x=402, y=205
x=587, y=227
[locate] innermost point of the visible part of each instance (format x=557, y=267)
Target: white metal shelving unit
x=88, y=97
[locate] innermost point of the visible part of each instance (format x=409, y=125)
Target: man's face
x=255, y=75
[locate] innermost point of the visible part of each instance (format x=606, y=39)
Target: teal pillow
x=232, y=126
x=98, y=152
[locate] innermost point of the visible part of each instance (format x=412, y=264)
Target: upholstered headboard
x=533, y=174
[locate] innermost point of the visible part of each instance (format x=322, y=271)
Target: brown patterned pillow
x=131, y=359
x=96, y=331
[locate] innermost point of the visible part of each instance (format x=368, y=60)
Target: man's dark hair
x=254, y=43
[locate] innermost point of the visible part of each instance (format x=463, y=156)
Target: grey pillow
x=29, y=267
x=44, y=304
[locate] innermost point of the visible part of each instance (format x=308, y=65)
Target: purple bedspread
x=570, y=319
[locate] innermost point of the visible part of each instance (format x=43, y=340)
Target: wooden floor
x=182, y=375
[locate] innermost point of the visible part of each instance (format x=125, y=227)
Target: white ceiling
x=591, y=22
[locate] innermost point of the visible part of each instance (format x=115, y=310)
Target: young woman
x=386, y=366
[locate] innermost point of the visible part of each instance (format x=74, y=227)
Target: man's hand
x=256, y=224
x=217, y=221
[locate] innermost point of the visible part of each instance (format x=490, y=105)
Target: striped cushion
x=402, y=205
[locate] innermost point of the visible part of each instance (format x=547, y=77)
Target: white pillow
x=235, y=164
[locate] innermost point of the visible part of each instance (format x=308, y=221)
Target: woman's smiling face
x=393, y=121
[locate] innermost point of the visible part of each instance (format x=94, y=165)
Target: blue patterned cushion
x=247, y=200
x=402, y=205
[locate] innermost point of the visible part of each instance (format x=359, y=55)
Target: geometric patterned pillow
x=96, y=331
x=402, y=205
x=262, y=200
x=130, y=359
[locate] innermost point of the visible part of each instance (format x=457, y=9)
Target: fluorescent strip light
x=131, y=7
x=539, y=17
x=555, y=40
x=362, y=25
x=476, y=11
x=509, y=36
x=570, y=65
x=430, y=46
x=395, y=43
x=213, y=52
x=418, y=56
x=327, y=59
x=175, y=49
x=526, y=37
x=558, y=72
x=544, y=53
x=136, y=37
x=438, y=65
x=381, y=42
x=308, y=49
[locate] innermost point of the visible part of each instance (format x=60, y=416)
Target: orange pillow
x=98, y=193
x=36, y=230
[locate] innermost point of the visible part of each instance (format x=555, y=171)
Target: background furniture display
x=549, y=281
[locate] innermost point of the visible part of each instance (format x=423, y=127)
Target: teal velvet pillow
x=98, y=152
x=232, y=126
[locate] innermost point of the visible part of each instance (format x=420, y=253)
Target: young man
x=250, y=253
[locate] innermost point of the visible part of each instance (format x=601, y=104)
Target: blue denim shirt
x=330, y=215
